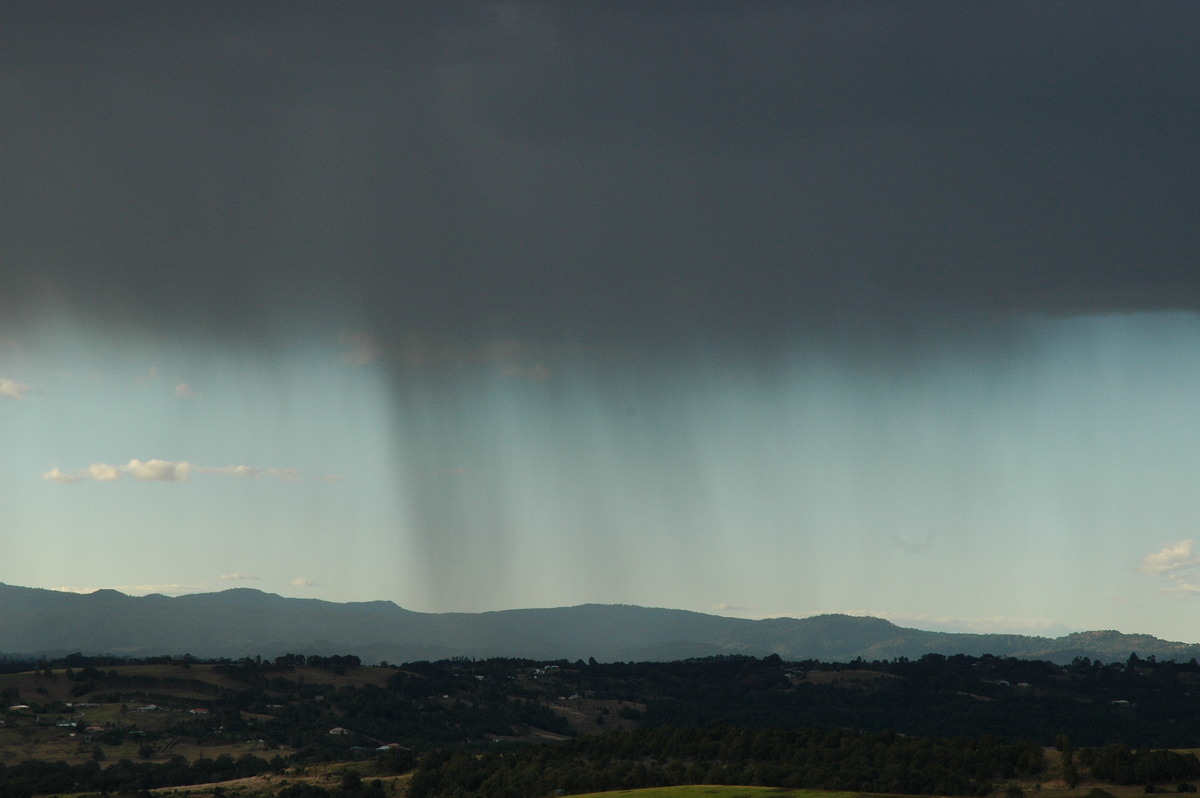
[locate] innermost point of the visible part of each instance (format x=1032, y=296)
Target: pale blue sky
x=1035, y=486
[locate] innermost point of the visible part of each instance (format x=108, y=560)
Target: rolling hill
x=245, y=622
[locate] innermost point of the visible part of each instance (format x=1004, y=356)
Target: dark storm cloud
x=595, y=172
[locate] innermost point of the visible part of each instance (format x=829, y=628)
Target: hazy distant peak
x=861, y=621
x=240, y=594
x=247, y=622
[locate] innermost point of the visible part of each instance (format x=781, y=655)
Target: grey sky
x=578, y=171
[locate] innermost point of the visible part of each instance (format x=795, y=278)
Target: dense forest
x=125, y=777
x=840, y=760
x=1138, y=703
x=936, y=725
x=833, y=760
x=1141, y=703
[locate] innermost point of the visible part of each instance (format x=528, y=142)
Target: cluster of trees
x=351, y=786
x=337, y=663
x=18, y=664
x=799, y=758
x=9, y=664
x=36, y=777
x=1119, y=764
x=474, y=712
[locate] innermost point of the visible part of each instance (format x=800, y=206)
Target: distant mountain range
x=244, y=622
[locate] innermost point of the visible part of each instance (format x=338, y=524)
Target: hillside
x=245, y=622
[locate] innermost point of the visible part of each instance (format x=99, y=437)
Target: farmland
x=441, y=728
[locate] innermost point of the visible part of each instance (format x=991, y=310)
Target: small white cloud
x=102, y=472
x=158, y=470
x=1170, y=560
x=302, y=582
x=185, y=391
x=11, y=389
x=164, y=471
x=61, y=477
x=238, y=577
x=726, y=607
x=1174, y=564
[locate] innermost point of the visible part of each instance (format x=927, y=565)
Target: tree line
x=36, y=777
x=718, y=754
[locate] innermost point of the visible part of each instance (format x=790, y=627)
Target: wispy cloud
x=61, y=477
x=185, y=391
x=11, y=389
x=1171, y=559
x=1174, y=564
x=300, y=581
x=238, y=577
x=285, y=474
x=231, y=471
x=164, y=471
